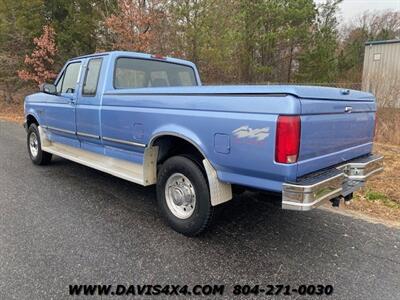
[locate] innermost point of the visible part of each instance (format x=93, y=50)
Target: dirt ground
x=13, y=112
x=379, y=201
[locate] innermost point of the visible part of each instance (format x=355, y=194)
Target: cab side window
x=69, y=79
x=92, y=77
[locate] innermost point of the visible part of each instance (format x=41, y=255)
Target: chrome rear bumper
x=314, y=189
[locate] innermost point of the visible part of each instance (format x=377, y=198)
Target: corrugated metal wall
x=381, y=73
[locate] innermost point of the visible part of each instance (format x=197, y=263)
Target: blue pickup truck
x=148, y=119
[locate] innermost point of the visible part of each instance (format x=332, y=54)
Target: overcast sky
x=352, y=8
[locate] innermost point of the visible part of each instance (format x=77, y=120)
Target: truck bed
x=329, y=135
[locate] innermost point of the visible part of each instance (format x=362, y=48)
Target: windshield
x=140, y=73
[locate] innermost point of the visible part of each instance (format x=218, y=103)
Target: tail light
x=287, y=139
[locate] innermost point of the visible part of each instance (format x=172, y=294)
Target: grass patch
x=374, y=196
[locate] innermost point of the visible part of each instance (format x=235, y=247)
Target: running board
x=141, y=174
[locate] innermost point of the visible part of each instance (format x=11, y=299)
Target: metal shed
x=381, y=73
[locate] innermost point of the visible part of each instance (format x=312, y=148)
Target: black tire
x=203, y=212
x=42, y=157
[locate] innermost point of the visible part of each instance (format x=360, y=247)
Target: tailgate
x=333, y=131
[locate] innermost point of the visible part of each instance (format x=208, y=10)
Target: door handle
x=69, y=97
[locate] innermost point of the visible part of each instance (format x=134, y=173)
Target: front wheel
x=37, y=155
x=183, y=196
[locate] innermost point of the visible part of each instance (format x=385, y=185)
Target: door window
x=69, y=79
x=92, y=77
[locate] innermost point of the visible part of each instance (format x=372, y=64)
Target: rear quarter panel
x=225, y=128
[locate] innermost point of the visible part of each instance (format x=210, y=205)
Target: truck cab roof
x=139, y=55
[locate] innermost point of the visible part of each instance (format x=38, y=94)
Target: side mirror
x=48, y=88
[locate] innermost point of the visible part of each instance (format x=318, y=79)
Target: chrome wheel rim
x=180, y=196
x=33, y=144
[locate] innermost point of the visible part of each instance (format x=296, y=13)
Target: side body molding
x=145, y=174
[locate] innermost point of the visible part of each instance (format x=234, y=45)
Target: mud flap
x=220, y=192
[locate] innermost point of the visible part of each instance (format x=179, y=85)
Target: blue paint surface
x=207, y=116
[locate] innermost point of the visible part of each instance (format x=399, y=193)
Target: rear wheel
x=183, y=196
x=37, y=155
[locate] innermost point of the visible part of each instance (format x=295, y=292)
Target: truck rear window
x=141, y=73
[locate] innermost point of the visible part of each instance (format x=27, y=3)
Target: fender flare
x=31, y=112
x=194, y=140
x=220, y=192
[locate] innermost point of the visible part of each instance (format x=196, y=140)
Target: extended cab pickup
x=148, y=119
